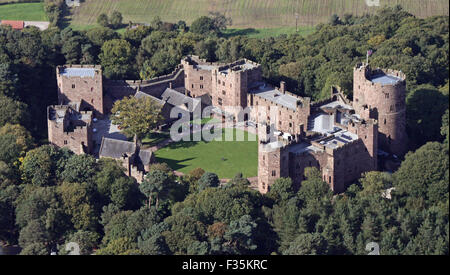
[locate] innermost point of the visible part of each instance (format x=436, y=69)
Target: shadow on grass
x=236, y=32
x=174, y=164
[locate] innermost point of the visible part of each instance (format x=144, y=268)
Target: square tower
x=81, y=85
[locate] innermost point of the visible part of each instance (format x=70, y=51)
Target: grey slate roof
x=178, y=99
x=276, y=96
x=78, y=72
x=140, y=95
x=114, y=148
x=385, y=79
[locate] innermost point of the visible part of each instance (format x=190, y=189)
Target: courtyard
x=224, y=158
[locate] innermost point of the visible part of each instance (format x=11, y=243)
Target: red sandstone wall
x=386, y=104
x=87, y=89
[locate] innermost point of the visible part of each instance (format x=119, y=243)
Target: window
x=219, y=100
x=274, y=173
x=223, y=83
x=386, y=95
x=384, y=121
x=231, y=85
x=65, y=142
x=391, y=108
x=329, y=179
x=290, y=124
x=224, y=93
x=73, y=86
x=201, y=77
x=201, y=86
x=92, y=89
x=279, y=122
x=290, y=117
x=192, y=86
x=218, y=81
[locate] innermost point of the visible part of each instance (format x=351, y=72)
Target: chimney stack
x=283, y=86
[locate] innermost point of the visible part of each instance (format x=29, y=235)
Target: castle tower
x=81, y=85
x=380, y=94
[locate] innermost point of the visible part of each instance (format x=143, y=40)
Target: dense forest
x=49, y=196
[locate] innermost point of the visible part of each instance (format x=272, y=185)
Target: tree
x=208, y=180
x=155, y=184
x=22, y=135
x=79, y=168
x=116, y=20
x=78, y=204
x=87, y=240
x=122, y=246
x=423, y=176
x=116, y=57
x=12, y=111
x=239, y=236
x=203, y=25
x=281, y=190
x=444, y=127
x=220, y=21
x=103, y=20
x=307, y=244
x=425, y=107
x=136, y=117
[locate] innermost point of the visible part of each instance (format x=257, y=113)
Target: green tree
x=203, y=25
x=79, y=168
x=208, y=180
x=12, y=111
x=103, y=20
x=307, y=244
x=136, y=117
x=116, y=19
x=116, y=57
x=155, y=184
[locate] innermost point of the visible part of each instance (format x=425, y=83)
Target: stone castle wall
x=88, y=90
x=385, y=103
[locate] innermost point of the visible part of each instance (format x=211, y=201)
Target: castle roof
x=116, y=149
x=385, y=79
x=78, y=72
x=275, y=96
x=180, y=100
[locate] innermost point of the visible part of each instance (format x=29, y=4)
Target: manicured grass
x=153, y=139
x=225, y=158
x=258, y=14
x=23, y=11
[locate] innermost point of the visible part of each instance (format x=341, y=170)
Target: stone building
x=135, y=160
x=82, y=85
x=69, y=127
x=340, y=137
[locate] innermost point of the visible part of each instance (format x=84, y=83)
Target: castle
x=342, y=138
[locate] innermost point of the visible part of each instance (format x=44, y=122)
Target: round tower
x=380, y=94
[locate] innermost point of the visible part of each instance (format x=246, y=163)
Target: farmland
x=258, y=14
x=23, y=11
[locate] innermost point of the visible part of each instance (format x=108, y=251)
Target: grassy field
x=23, y=11
x=225, y=158
x=258, y=14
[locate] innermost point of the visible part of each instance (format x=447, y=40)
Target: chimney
x=282, y=86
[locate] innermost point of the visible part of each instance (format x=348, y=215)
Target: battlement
x=379, y=77
x=79, y=71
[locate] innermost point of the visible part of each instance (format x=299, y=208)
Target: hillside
x=246, y=13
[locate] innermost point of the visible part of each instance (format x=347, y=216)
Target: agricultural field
x=23, y=11
x=257, y=14
x=225, y=158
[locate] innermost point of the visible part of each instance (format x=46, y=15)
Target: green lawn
x=23, y=11
x=153, y=139
x=225, y=158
